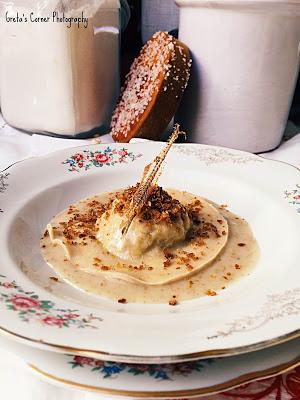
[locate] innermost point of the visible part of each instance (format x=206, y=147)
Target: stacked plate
x=248, y=331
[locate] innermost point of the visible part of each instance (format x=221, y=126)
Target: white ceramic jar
x=58, y=77
x=158, y=15
x=245, y=66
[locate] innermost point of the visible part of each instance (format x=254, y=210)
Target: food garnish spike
x=150, y=177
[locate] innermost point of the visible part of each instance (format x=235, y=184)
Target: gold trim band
x=155, y=359
x=231, y=384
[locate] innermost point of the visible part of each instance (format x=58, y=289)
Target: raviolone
x=196, y=267
x=163, y=252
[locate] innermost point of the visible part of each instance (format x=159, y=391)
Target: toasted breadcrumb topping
x=159, y=207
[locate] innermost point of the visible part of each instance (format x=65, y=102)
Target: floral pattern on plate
x=30, y=307
x=155, y=371
x=293, y=196
x=276, y=306
x=3, y=184
x=211, y=155
x=109, y=156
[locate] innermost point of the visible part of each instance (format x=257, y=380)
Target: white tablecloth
x=16, y=382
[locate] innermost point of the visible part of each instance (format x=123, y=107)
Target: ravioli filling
x=162, y=222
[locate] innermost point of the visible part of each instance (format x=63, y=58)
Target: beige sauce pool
x=235, y=261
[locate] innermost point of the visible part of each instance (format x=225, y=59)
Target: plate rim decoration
x=106, y=356
x=195, y=379
x=210, y=390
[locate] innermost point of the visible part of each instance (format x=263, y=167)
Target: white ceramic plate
x=196, y=378
x=260, y=310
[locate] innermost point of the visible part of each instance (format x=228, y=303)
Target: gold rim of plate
x=154, y=359
x=230, y=384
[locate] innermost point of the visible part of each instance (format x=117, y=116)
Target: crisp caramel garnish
x=149, y=180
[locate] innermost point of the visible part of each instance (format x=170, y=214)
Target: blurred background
x=240, y=92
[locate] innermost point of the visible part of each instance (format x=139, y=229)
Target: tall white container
x=58, y=77
x=245, y=66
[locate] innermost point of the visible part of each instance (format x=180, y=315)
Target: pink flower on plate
x=78, y=157
x=102, y=158
x=9, y=285
x=83, y=360
x=71, y=316
x=53, y=321
x=80, y=164
x=123, y=153
x=24, y=303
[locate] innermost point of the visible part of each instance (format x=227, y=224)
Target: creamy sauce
x=217, y=261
